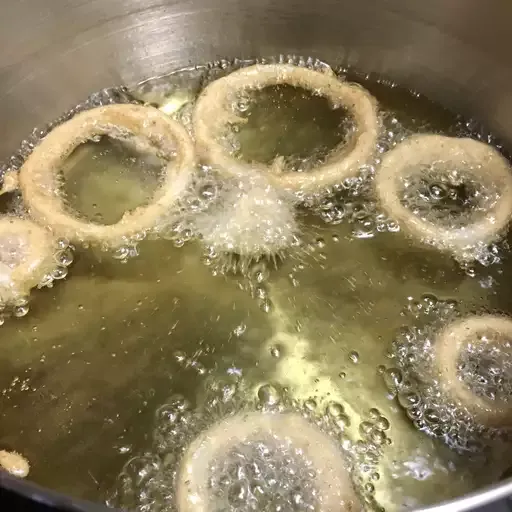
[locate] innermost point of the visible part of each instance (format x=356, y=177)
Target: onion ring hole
x=477, y=160
x=449, y=345
x=146, y=127
x=284, y=431
x=213, y=114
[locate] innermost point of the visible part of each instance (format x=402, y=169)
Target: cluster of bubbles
x=449, y=197
x=246, y=217
x=11, y=254
x=149, y=481
x=63, y=257
x=414, y=380
x=256, y=474
x=240, y=222
x=487, y=370
x=368, y=451
x=453, y=198
x=129, y=249
x=435, y=200
x=242, y=219
x=353, y=201
x=482, y=256
x=363, y=446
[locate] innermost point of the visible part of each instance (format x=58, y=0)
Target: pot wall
x=56, y=52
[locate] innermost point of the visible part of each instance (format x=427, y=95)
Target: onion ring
x=211, y=114
x=480, y=160
x=332, y=478
x=37, y=257
x=148, y=129
x=449, y=344
x=14, y=463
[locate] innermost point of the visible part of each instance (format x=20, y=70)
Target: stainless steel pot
x=56, y=52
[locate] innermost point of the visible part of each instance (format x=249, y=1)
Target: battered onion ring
x=449, y=344
x=37, y=257
x=211, y=115
x=333, y=480
x=478, y=159
x=145, y=126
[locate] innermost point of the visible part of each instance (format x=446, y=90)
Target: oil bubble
x=335, y=410
x=374, y=414
x=64, y=257
x=342, y=421
x=310, y=404
x=265, y=305
x=382, y=423
x=59, y=273
x=276, y=351
x=20, y=311
x=392, y=378
x=354, y=356
x=269, y=395
x=365, y=428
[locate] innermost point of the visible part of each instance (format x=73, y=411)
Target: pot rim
x=41, y=495
x=474, y=500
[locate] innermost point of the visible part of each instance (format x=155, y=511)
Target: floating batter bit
x=14, y=463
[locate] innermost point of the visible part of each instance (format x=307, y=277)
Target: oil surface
x=113, y=373
x=84, y=185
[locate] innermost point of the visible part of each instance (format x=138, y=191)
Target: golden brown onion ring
x=148, y=129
